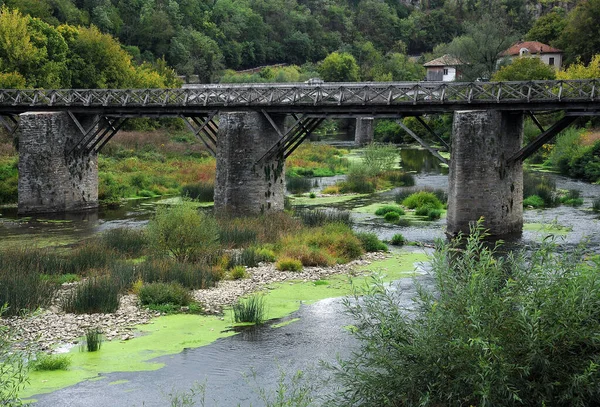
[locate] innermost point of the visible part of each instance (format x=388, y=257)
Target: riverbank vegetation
x=509, y=330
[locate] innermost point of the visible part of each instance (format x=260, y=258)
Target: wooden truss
x=204, y=127
x=96, y=136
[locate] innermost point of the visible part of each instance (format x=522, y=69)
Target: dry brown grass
x=162, y=140
x=590, y=137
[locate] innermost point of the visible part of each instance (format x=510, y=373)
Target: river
x=233, y=369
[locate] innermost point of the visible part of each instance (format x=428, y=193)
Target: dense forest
x=131, y=43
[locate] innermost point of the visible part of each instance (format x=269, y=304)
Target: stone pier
x=51, y=179
x=242, y=187
x=481, y=182
x=364, y=132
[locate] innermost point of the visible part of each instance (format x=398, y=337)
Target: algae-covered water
x=176, y=353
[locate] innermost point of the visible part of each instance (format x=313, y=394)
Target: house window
x=551, y=61
x=445, y=71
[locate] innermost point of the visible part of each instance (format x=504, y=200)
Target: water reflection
x=421, y=161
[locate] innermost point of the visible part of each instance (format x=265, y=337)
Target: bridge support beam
x=243, y=186
x=50, y=178
x=482, y=181
x=365, y=129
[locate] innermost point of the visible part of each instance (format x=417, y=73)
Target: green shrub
x=183, y=232
x=434, y=214
x=93, y=340
x=422, y=198
x=288, y=264
x=164, y=293
x=371, y=243
x=320, y=217
x=404, y=193
x=200, y=191
x=9, y=181
x=128, y=241
x=572, y=198
x=238, y=273
x=94, y=295
x=498, y=331
x=398, y=240
x=391, y=217
x=251, y=309
x=298, y=185
x=533, y=201
x=358, y=180
x=566, y=145
x=389, y=208
x=50, y=362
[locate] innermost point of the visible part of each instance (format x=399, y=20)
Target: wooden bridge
x=245, y=127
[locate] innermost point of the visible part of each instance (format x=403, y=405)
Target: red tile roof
x=533, y=47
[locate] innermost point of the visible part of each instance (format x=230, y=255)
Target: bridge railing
x=299, y=94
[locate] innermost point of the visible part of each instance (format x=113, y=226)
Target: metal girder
x=97, y=134
x=432, y=150
x=292, y=138
x=430, y=130
x=205, y=129
x=10, y=123
x=542, y=139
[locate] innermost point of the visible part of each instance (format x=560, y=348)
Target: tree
x=579, y=70
x=581, y=36
x=339, y=67
x=479, y=47
x=192, y=52
x=547, y=29
x=525, y=69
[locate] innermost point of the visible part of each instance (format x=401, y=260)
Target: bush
x=298, y=185
x=94, y=295
x=128, y=241
x=398, y=240
x=404, y=193
x=389, y=208
x=497, y=331
x=251, y=309
x=371, y=243
x=533, y=201
x=190, y=275
x=320, y=217
x=238, y=273
x=391, y=217
x=422, y=198
x=183, y=232
x=358, y=180
x=50, y=362
x=200, y=191
x=572, y=198
x=288, y=264
x=434, y=214
x=163, y=294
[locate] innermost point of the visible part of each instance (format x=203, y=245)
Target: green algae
x=168, y=335
x=370, y=209
x=547, y=228
x=324, y=200
x=285, y=323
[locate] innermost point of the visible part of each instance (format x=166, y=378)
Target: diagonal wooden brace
x=204, y=129
x=10, y=123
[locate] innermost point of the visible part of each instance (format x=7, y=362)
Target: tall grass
x=200, y=191
x=320, y=217
x=190, y=275
x=298, y=185
x=251, y=309
x=94, y=295
x=128, y=241
x=251, y=257
x=93, y=340
x=49, y=362
x=157, y=294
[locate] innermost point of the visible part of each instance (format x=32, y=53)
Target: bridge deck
x=385, y=98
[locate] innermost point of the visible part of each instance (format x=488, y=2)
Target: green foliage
x=199, y=191
x=541, y=186
x=392, y=216
x=581, y=70
x=358, y=180
x=586, y=165
x=339, y=67
x=534, y=201
x=371, y=243
x=566, y=145
x=581, y=36
x=251, y=256
x=13, y=369
x=320, y=217
x=251, y=310
x=191, y=275
x=94, y=295
x=398, y=240
x=398, y=178
x=421, y=199
x=548, y=28
x=520, y=329
x=49, y=362
x=238, y=273
x=8, y=181
x=131, y=242
x=433, y=214
x=379, y=158
x=572, y=198
x=525, y=69
x=164, y=293
x=93, y=340
x=183, y=232
x=288, y=264
x=389, y=208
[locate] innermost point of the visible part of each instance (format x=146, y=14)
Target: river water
x=226, y=367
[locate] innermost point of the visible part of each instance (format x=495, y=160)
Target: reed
x=94, y=295
x=250, y=310
x=93, y=340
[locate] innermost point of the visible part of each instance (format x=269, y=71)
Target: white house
x=549, y=55
x=443, y=69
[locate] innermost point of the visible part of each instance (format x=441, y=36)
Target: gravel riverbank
x=52, y=329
